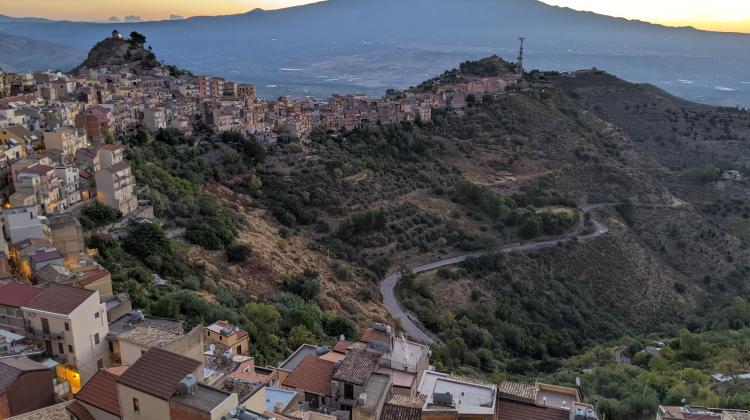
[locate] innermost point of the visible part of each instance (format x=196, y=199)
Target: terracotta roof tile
x=508, y=410
x=91, y=275
x=158, y=372
x=342, y=346
x=60, y=299
x=79, y=411
x=525, y=391
x=313, y=375
x=358, y=365
x=401, y=407
x=17, y=294
x=366, y=336
x=101, y=392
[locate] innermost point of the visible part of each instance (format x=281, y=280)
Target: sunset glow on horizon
x=718, y=15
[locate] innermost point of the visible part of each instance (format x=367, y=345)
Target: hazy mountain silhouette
x=19, y=53
x=370, y=45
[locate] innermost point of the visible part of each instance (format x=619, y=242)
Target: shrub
x=238, y=253
x=305, y=285
x=98, y=215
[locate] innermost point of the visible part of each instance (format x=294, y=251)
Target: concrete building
x=13, y=296
x=25, y=386
x=162, y=385
x=234, y=338
x=23, y=223
x=71, y=324
x=451, y=397
x=516, y=400
x=66, y=141
x=66, y=234
x=114, y=188
x=154, y=118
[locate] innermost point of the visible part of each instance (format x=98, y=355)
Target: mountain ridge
x=395, y=44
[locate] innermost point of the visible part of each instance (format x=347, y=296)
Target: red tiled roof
x=79, y=411
x=91, y=275
x=60, y=299
x=101, y=392
x=224, y=324
x=508, y=410
x=367, y=336
x=17, y=294
x=313, y=375
x=158, y=372
x=342, y=346
x=37, y=169
x=404, y=408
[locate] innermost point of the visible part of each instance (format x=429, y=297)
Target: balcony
x=46, y=335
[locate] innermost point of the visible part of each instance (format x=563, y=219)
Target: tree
x=263, y=327
x=305, y=285
x=137, y=39
x=98, y=215
x=238, y=253
x=300, y=335
x=146, y=240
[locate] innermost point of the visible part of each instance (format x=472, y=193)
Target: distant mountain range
x=20, y=53
x=372, y=45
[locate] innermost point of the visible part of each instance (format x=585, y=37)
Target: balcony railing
x=45, y=335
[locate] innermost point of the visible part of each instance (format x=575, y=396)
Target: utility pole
x=520, y=56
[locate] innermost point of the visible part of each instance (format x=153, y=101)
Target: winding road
x=411, y=324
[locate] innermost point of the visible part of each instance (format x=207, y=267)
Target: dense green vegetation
x=508, y=326
x=98, y=215
x=171, y=169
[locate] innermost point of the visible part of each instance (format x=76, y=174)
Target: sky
x=718, y=15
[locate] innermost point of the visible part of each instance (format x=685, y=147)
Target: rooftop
x=401, y=407
x=133, y=319
x=79, y=412
x=357, y=366
x=377, y=385
x=275, y=396
x=53, y=412
x=313, y=375
x=60, y=299
x=101, y=391
x=150, y=336
x=17, y=294
x=158, y=372
x=202, y=398
x=468, y=396
x=46, y=256
x=90, y=275
x=226, y=329
x=299, y=355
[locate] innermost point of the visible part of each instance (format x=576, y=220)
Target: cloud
x=113, y=19
x=132, y=19
x=175, y=17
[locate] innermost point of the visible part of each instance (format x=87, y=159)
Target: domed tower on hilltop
x=116, y=34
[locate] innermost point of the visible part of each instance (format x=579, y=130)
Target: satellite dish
x=212, y=347
x=342, y=338
x=578, y=380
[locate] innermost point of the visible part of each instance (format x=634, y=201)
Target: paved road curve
x=411, y=325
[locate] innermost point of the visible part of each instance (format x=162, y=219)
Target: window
x=60, y=348
x=111, y=347
x=67, y=327
x=100, y=364
x=349, y=391
x=96, y=338
x=70, y=348
x=239, y=349
x=136, y=406
x=96, y=315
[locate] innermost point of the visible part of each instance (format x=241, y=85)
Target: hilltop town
x=74, y=344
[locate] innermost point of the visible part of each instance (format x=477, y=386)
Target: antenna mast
x=520, y=56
